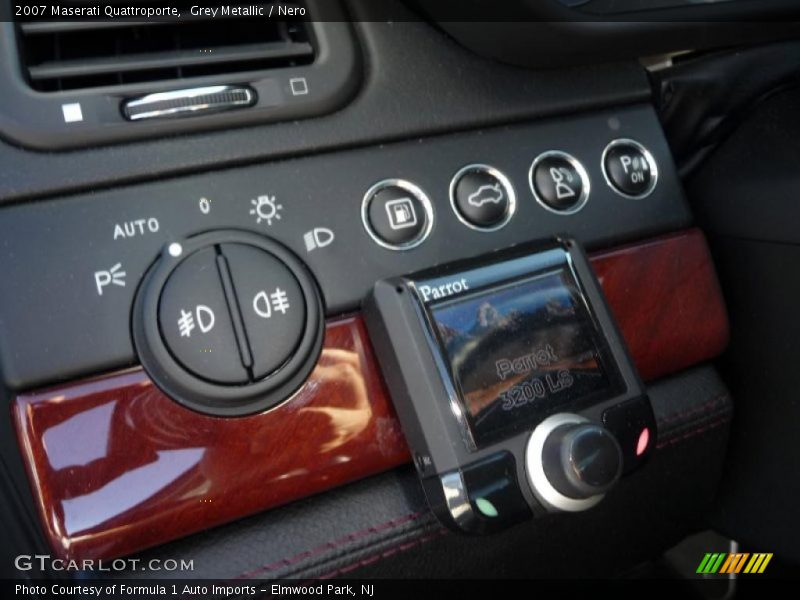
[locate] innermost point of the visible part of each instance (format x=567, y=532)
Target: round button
x=559, y=182
x=571, y=462
x=482, y=197
x=271, y=304
x=397, y=214
x=629, y=168
x=588, y=460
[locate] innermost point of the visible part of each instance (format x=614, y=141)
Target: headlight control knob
x=572, y=462
x=228, y=323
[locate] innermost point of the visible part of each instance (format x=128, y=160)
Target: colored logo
x=742, y=562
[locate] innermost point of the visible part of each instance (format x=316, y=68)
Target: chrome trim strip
x=247, y=98
x=455, y=493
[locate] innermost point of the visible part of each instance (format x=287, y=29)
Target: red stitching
x=692, y=433
x=420, y=541
x=331, y=545
x=678, y=416
x=285, y=562
x=385, y=554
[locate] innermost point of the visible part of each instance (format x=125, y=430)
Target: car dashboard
x=255, y=306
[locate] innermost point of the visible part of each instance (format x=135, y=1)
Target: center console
x=210, y=333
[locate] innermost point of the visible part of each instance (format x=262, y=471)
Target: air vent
x=71, y=55
x=92, y=82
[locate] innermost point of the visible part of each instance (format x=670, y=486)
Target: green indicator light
x=486, y=507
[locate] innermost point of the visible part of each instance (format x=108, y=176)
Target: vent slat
x=164, y=60
x=44, y=27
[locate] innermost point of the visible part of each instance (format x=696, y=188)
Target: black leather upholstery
x=380, y=527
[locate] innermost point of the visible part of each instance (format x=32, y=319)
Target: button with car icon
x=482, y=197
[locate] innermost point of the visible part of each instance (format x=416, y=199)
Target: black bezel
x=418, y=378
x=609, y=366
x=204, y=396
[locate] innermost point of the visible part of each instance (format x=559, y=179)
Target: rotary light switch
x=228, y=323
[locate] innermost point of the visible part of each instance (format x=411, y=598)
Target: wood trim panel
x=116, y=466
x=667, y=301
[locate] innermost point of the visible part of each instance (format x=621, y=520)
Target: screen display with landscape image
x=520, y=352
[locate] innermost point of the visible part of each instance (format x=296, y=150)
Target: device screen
x=521, y=351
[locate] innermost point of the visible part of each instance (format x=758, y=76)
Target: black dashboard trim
x=404, y=95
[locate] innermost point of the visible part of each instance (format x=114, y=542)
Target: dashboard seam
x=334, y=544
x=701, y=425
x=402, y=547
x=692, y=433
x=721, y=399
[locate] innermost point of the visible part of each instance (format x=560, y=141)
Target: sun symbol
x=265, y=209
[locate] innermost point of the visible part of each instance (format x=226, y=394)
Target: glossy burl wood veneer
x=116, y=466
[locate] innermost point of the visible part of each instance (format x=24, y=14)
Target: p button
x=629, y=168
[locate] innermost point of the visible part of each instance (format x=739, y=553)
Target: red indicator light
x=644, y=440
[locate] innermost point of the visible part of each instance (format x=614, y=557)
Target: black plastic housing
x=427, y=396
x=205, y=396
